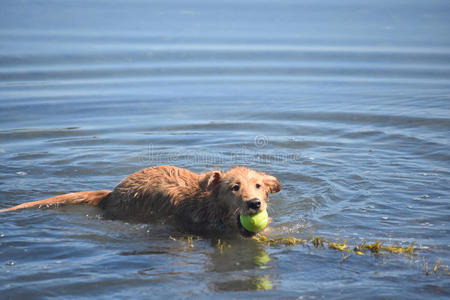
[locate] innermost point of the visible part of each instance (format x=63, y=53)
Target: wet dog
x=207, y=203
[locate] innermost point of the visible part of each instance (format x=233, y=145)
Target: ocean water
x=346, y=102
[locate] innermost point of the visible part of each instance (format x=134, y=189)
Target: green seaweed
x=377, y=248
x=320, y=242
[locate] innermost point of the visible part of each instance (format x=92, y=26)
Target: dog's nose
x=254, y=203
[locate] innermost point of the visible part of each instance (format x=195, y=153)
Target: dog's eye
x=235, y=187
x=258, y=186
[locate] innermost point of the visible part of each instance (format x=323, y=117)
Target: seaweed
x=189, y=240
x=377, y=247
x=287, y=241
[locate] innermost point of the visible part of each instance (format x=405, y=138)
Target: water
x=347, y=103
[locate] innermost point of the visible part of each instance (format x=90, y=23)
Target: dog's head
x=240, y=191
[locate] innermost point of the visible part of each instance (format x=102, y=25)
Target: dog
x=206, y=203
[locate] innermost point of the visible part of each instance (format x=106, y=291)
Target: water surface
x=347, y=103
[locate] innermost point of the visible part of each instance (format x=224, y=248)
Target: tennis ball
x=256, y=222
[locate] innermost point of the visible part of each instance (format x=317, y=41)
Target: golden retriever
x=207, y=203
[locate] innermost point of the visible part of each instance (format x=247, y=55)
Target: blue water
x=346, y=102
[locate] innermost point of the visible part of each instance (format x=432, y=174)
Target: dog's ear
x=272, y=184
x=209, y=180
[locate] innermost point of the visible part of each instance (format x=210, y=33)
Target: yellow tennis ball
x=256, y=222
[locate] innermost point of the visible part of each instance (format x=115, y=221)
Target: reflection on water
x=244, y=255
x=238, y=266
x=253, y=283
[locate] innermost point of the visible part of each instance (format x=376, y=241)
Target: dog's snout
x=254, y=203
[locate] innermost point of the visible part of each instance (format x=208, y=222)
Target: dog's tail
x=89, y=197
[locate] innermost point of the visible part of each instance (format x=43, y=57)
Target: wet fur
x=196, y=202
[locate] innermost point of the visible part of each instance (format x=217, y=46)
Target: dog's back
x=151, y=192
